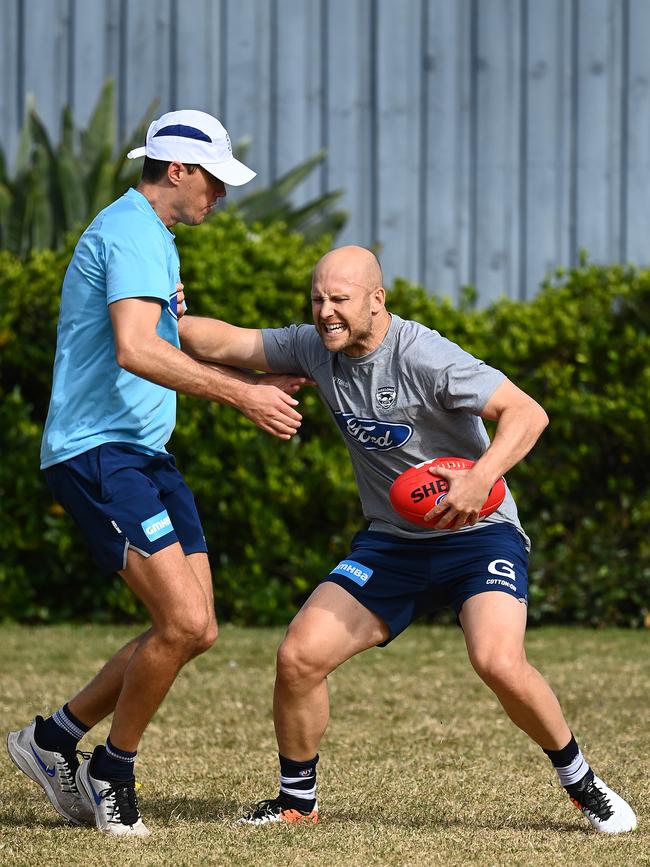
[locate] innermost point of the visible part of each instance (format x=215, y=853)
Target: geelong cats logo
x=386, y=396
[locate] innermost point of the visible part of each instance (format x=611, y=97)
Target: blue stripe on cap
x=182, y=131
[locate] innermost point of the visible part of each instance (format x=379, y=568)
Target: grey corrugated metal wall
x=480, y=141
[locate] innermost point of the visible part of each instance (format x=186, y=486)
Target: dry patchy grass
x=419, y=765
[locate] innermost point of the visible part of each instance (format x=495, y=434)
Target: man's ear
x=175, y=172
x=378, y=299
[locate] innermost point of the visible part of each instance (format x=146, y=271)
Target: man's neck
x=156, y=197
x=382, y=330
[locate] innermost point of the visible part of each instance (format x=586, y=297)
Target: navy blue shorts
x=401, y=579
x=122, y=498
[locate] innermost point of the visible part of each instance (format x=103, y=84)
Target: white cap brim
x=231, y=172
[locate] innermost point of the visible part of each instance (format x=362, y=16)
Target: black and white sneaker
x=277, y=810
x=607, y=811
x=54, y=772
x=114, y=804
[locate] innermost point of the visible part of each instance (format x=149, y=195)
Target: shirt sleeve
x=135, y=260
x=293, y=349
x=457, y=379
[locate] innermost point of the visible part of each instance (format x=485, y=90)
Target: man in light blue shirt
x=117, y=369
x=108, y=265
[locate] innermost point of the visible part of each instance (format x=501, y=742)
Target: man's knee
x=499, y=668
x=208, y=638
x=298, y=663
x=188, y=632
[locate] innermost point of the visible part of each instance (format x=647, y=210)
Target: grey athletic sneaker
x=54, y=772
x=114, y=804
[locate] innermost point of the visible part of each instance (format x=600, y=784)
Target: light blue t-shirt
x=126, y=252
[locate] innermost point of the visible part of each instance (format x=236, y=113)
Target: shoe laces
x=263, y=809
x=270, y=808
x=122, y=802
x=67, y=764
x=593, y=800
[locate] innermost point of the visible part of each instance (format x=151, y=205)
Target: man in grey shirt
x=401, y=394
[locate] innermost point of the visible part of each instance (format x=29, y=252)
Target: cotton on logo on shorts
x=504, y=568
x=157, y=525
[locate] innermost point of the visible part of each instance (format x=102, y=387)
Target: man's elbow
x=541, y=418
x=126, y=355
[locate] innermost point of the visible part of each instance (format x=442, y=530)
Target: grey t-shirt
x=416, y=397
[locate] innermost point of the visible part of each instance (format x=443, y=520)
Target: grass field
x=419, y=766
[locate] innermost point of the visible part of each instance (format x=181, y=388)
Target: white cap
x=194, y=137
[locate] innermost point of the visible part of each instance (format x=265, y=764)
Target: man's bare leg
x=330, y=628
x=99, y=697
x=183, y=625
x=494, y=624
x=177, y=591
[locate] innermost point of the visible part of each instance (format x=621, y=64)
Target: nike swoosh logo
x=49, y=771
x=98, y=798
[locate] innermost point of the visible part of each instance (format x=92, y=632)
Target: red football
x=416, y=491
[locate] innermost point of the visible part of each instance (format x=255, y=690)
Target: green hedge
x=278, y=515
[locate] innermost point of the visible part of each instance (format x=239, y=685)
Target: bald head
x=355, y=265
x=348, y=301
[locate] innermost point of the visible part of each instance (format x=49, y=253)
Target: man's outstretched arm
x=204, y=332
x=140, y=350
x=221, y=343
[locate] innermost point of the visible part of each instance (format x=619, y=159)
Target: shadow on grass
x=10, y=818
x=164, y=810
x=219, y=809
x=211, y=809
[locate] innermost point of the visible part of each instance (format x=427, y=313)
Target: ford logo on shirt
x=372, y=433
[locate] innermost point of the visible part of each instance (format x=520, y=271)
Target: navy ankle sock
x=111, y=763
x=570, y=764
x=298, y=783
x=60, y=732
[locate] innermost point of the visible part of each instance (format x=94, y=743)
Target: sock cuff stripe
x=64, y=722
x=302, y=784
x=73, y=719
x=574, y=772
x=119, y=755
x=293, y=780
x=302, y=794
x=579, y=760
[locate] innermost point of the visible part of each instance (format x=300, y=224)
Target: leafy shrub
x=278, y=515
